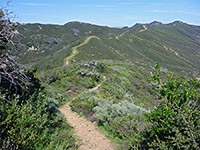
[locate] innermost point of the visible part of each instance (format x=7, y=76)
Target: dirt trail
x=145, y=28
x=90, y=136
x=75, y=51
x=117, y=37
x=96, y=87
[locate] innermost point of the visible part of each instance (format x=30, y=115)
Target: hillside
x=175, y=46
x=101, y=73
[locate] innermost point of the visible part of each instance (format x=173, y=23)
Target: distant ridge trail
x=145, y=28
x=117, y=37
x=91, y=137
x=75, y=51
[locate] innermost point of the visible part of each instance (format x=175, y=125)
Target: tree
x=10, y=76
x=175, y=123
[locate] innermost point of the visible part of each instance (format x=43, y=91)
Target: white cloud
x=29, y=14
x=165, y=11
x=173, y=12
x=145, y=3
x=34, y=4
x=102, y=6
x=105, y=6
x=129, y=18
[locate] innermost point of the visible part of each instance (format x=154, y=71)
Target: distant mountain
x=176, y=46
x=156, y=23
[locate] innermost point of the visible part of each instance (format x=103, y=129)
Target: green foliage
x=71, y=80
x=107, y=111
x=175, y=123
x=123, y=120
x=30, y=120
x=31, y=125
x=92, y=69
x=84, y=105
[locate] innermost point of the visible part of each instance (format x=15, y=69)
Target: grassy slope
x=158, y=43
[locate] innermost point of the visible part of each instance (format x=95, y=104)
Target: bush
x=175, y=123
x=107, y=111
x=85, y=104
x=124, y=120
x=36, y=123
x=92, y=69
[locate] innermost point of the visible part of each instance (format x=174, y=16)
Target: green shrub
x=92, y=69
x=36, y=123
x=107, y=111
x=29, y=119
x=85, y=104
x=175, y=123
x=124, y=120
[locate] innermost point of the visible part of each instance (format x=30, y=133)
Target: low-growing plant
x=107, y=111
x=85, y=104
x=92, y=69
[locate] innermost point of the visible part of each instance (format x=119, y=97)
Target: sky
x=113, y=13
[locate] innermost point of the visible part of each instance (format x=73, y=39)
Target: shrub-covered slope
x=123, y=60
x=175, y=45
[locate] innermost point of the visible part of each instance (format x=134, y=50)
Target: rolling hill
x=176, y=46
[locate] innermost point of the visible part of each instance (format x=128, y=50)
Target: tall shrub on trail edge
x=175, y=123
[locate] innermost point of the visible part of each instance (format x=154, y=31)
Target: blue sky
x=114, y=13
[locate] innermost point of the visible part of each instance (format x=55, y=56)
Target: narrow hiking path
x=89, y=134
x=96, y=87
x=75, y=51
x=142, y=30
x=117, y=37
x=145, y=28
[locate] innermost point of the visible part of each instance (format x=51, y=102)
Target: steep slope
x=176, y=46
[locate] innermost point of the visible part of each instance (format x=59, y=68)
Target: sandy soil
x=90, y=136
